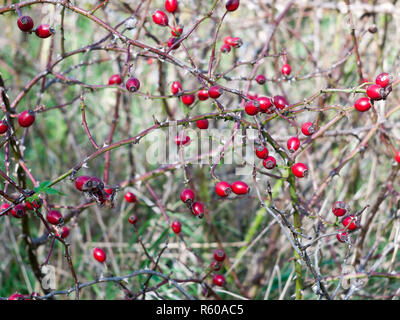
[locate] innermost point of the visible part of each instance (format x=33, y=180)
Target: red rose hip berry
x=198, y=209
x=339, y=208
x=188, y=99
x=374, y=92
x=160, y=18
x=3, y=127
x=286, y=69
x=232, y=5
x=269, y=163
x=397, y=156
x=252, y=107
x=219, y=255
x=176, y=87
x=383, y=80
x=81, y=181
x=176, y=227
x=308, y=128
x=215, y=92
x=18, y=211
x=265, y=105
x=261, y=79
x=350, y=222
x=262, y=152
x=223, y=189
x=300, y=170
x=342, y=235
x=130, y=197
x=133, y=84
x=132, y=219
x=99, y=255
x=239, y=187
x=44, y=31
x=171, y=5
x=219, y=280
x=225, y=48
x=115, y=79
x=362, y=104
x=202, y=124
x=26, y=118
x=54, y=217
x=25, y=23
x=202, y=95
x=293, y=144
x=187, y=196
x=280, y=102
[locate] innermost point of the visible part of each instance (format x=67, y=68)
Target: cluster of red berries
x=95, y=189
x=223, y=188
x=19, y=296
x=25, y=23
x=131, y=198
x=378, y=91
x=187, y=99
x=231, y=42
x=19, y=210
x=265, y=105
x=350, y=222
x=25, y=119
x=196, y=208
x=182, y=139
x=219, y=257
x=132, y=84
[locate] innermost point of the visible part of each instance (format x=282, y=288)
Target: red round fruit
x=300, y=170
x=18, y=211
x=286, y=69
x=187, y=196
x=4, y=206
x=262, y=152
x=362, y=104
x=265, y=105
x=171, y=43
x=26, y=118
x=3, y=127
x=54, y=217
x=339, y=208
x=25, y=23
x=177, y=31
x=202, y=124
x=202, y=95
x=160, y=18
x=188, y=99
x=239, y=187
x=132, y=84
x=176, y=227
x=397, y=156
x=219, y=280
x=383, y=80
x=293, y=144
x=115, y=79
x=171, y=5
x=130, y=197
x=350, y=222
x=133, y=219
x=223, y=189
x=308, y=128
x=182, y=140
x=215, y=92
x=269, y=163
x=225, y=48
x=81, y=181
x=252, y=107
x=229, y=41
x=261, y=79
x=236, y=42
x=99, y=255
x=280, y=102
x=232, y=5
x=374, y=92
x=176, y=87
x=342, y=235
x=44, y=31
x=219, y=255
x=198, y=209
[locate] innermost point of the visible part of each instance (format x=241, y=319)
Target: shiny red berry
x=397, y=156
x=261, y=79
x=342, y=235
x=262, y=152
x=240, y=187
x=132, y=84
x=339, y=208
x=286, y=69
x=25, y=23
x=115, y=79
x=300, y=170
x=280, y=102
x=215, y=92
x=219, y=280
x=225, y=48
x=219, y=255
x=383, y=80
x=99, y=255
x=54, y=217
x=265, y=105
x=202, y=95
x=44, y=31
x=236, y=42
x=176, y=87
x=188, y=99
x=3, y=127
x=26, y=118
x=130, y=197
x=363, y=104
x=202, y=124
x=269, y=163
x=229, y=41
x=350, y=222
x=132, y=219
x=81, y=181
x=375, y=92
x=171, y=5
x=187, y=196
x=293, y=144
x=160, y=18
x=232, y=5
x=171, y=43
x=223, y=189
x=308, y=128
x=252, y=107
x=18, y=211
x=198, y=209
x=176, y=227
